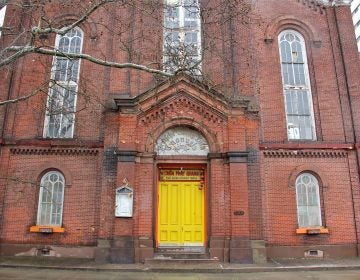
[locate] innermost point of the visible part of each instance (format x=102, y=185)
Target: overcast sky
x=2, y=15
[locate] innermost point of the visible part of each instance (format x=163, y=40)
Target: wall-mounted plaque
x=124, y=201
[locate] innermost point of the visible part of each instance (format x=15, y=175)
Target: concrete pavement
x=272, y=266
x=59, y=274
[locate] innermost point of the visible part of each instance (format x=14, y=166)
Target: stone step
x=181, y=255
x=161, y=261
x=185, y=249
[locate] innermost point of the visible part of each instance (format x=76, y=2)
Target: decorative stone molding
x=176, y=103
x=316, y=5
x=337, y=3
x=193, y=93
x=304, y=154
x=64, y=152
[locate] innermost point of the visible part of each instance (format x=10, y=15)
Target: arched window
x=182, y=140
x=60, y=113
x=51, y=199
x=308, y=201
x=296, y=86
x=182, y=36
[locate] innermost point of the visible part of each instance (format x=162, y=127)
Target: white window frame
x=182, y=30
x=293, y=131
x=42, y=192
x=306, y=208
x=62, y=84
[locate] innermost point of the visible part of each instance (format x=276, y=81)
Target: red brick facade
x=237, y=106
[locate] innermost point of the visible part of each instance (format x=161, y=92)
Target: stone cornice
x=54, y=151
x=307, y=145
x=319, y=5
x=337, y=3
x=316, y=5
x=54, y=143
x=304, y=154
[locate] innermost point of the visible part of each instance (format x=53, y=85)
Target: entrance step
x=180, y=256
x=181, y=249
x=157, y=260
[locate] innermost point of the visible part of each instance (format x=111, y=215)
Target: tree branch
x=22, y=98
x=38, y=30
x=24, y=50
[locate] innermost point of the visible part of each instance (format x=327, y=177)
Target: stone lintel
x=238, y=157
x=126, y=156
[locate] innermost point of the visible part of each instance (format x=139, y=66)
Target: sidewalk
x=271, y=266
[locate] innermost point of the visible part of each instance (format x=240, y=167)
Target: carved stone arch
x=53, y=166
x=317, y=172
x=290, y=22
x=89, y=28
x=154, y=134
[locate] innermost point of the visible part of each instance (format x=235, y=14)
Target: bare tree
x=152, y=43
x=25, y=35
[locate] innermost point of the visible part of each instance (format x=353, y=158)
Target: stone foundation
x=118, y=250
x=34, y=250
x=325, y=251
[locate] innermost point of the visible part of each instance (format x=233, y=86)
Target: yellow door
x=181, y=214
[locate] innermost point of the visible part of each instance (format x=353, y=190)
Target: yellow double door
x=181, y=214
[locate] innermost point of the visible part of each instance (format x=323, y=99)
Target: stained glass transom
x=182, y=141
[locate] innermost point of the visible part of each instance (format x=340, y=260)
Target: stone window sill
x=312, y=230
x=47, y=229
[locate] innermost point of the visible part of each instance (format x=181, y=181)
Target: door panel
x=181, y=214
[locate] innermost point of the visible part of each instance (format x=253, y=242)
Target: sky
x=2, y=15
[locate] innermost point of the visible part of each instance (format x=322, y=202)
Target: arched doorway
x=181, y=188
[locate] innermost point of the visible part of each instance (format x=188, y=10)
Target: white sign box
x=124, y=202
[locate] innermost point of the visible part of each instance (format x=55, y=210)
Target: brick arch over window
x=290, y=22
x=185, y=122
x=317, y=172
x=89, y=28
x=53, y=166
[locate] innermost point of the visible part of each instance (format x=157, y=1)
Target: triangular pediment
x=190, y=92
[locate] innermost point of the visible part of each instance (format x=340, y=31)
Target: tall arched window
x=51, y=199
x=182, y=36
x=61, y=105
x=308, y=201
x=296, y=86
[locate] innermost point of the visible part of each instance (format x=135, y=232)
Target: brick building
x=249, y=153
